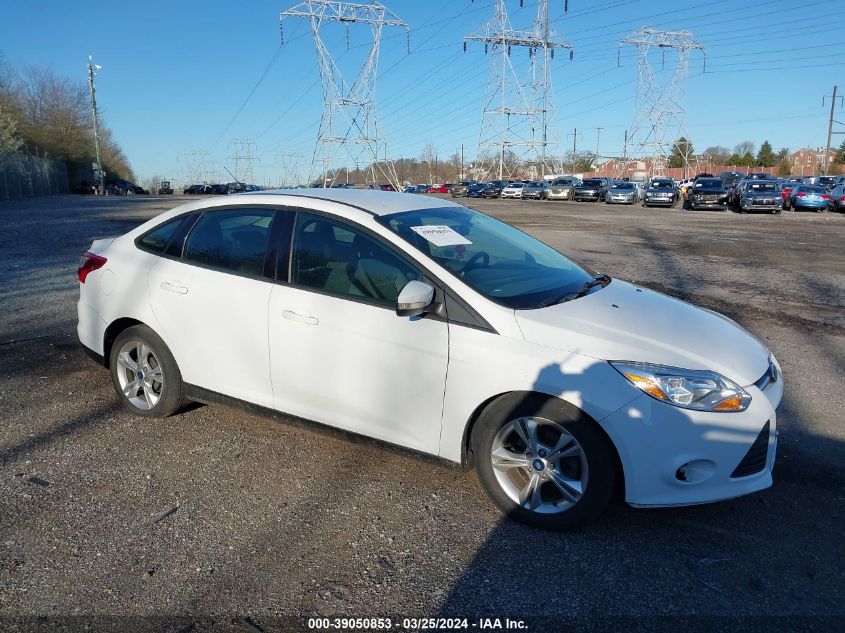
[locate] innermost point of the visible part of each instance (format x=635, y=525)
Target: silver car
x=622, y=193
x=562, y=188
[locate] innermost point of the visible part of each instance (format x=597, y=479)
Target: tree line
x=47, y=115
x=743, y=155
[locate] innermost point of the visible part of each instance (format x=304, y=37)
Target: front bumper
x=459, y=194
x=563, y=195
x=757, y=205
x=666, y=202
x=506, y=194
x=674, y=457
x=702, y=204
x=612, y=200
x=586, y=195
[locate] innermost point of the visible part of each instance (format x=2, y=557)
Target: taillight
x=88, y=263
x=825, y=196
x=800, y=195
x=842, y=198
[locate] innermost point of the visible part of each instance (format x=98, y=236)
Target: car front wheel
x=145, y=374
x=544, y=464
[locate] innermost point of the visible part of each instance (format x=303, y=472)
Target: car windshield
x=592, y=182
x=623, y=185
x=662, y=184
x=763, y=186
x=498, y=260
x=537, y=183
x=562, y=182
x=708, y=182
x=516, y=185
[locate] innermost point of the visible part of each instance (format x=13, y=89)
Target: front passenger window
x=234, y=241
x=339, y=259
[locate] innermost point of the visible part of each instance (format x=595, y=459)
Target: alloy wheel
x=139, y=374
x=539, y=465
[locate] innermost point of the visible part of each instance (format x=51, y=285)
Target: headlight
x=686, y=388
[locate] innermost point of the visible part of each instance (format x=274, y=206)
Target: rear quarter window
x=157, y=239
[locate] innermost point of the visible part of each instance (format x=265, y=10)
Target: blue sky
x=176, y=73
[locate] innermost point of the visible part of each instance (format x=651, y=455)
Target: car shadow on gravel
x=767, y=554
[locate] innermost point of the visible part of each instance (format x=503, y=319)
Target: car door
x=339, y=354
x=211, y=303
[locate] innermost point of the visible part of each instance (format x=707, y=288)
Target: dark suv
x=707, y=193
x=594, y=189
x=494, y=189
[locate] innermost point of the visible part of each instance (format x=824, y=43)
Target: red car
x=444, y=188
x=786, y=189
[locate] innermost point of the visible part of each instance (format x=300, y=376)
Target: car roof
x=373, y=201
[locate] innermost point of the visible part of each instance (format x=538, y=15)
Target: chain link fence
x=25, y=176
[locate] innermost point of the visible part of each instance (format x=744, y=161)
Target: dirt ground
x=87, y=491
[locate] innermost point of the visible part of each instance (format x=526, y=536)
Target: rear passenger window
x=234, y=241
x=157, y=239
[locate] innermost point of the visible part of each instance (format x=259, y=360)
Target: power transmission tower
x=519, y=113
x=190, y=165
x=289, y=164
x=659, y=117
x=348, y=106
x=243, y=155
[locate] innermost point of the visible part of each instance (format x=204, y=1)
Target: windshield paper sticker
x=441, y=235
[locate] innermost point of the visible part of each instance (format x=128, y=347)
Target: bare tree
x=746, y=147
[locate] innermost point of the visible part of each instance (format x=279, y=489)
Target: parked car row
x=219, y=189
x=755, y=191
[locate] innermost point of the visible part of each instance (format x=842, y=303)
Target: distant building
x=808, y=161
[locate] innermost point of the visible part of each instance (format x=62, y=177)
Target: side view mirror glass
x=415, y=299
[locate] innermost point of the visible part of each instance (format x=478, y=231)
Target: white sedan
x=429, y=325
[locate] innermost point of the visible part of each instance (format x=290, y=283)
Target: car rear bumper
x=90, y=327
x=810, y=205
x=673, y=457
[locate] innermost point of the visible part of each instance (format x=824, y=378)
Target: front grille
x=755, y=459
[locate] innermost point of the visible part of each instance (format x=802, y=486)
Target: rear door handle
x=174, y=287
x=300, y=318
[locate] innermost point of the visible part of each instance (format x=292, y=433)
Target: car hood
x=625, y=322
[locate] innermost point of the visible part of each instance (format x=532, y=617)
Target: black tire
x=170, y=396
x=596, y=447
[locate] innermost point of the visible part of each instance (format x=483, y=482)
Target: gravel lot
x=275, y=519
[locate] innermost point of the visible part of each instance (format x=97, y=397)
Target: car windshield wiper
x=599, y=280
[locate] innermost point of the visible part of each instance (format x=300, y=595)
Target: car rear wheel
x=544, y=464
x=145, y=374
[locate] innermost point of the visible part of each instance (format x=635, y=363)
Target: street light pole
x=92, y=68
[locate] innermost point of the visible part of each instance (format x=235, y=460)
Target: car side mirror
x=415, y=299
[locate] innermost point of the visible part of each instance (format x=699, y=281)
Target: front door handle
x=300, y=318
x=174, y=287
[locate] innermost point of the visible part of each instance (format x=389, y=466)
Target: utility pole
x=598, y=134
x=462, y=161
x=101, y=176
x=830, y=131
